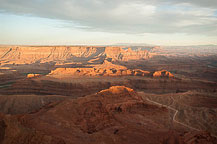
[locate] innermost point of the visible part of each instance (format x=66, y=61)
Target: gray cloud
x=124, y=16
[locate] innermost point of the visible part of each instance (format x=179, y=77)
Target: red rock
x=33, y=54
x=105, y=69
x=33, y=75
x=163, y=73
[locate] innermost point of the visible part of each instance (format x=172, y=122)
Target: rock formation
x=77, y=98
x=105, y=69
x=115, y=115
x=163, y=73
x=30, y=54
x=33, y=75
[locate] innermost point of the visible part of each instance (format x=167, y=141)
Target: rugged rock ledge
x=115, y=115
x=105, y=69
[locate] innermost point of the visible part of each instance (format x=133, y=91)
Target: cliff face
x=117, y=53
x=28, y=54
x=105, y=69
x=47, y=54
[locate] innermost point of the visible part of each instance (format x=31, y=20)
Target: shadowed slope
x=114, y=115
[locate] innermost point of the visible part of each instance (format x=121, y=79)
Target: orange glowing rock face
x=163, y=73
x=43, y=54
x=105, y=69
x=33, y=75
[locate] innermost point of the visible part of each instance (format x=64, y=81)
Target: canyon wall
x=33, y=54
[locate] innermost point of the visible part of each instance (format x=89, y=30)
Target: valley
x=107, y=94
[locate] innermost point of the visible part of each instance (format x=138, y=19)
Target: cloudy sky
x=68, y=22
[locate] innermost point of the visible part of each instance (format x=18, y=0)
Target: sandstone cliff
x=45, y=54
x=105, y=69
x=30, y=54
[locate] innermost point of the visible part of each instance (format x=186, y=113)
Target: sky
x=106, y=22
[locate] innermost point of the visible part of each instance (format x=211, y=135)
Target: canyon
x=107, y=94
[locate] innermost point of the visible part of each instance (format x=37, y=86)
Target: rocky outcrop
x=105, y=69
x=115, y=115
x=163, y=73
x=32, y=75
x=100, y=118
